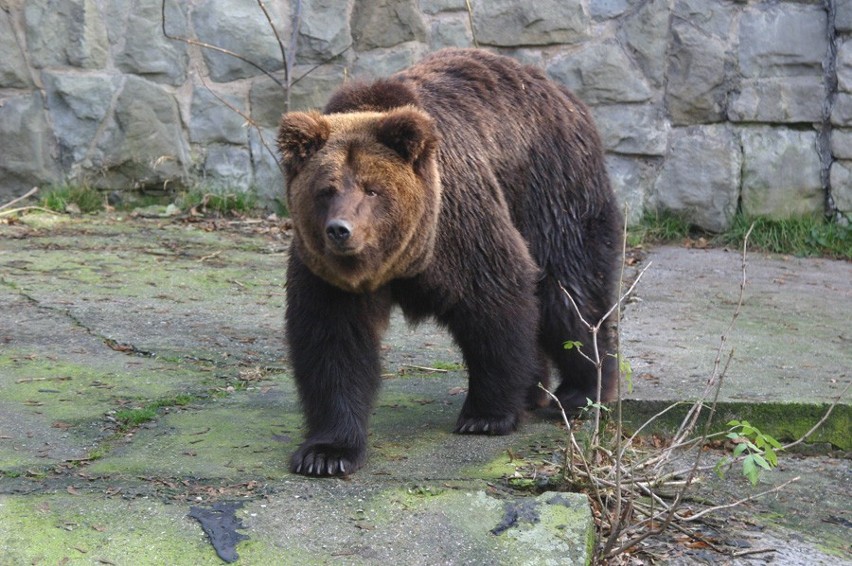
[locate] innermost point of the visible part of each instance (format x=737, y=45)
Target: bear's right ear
x=300, y=135
x=409, y=132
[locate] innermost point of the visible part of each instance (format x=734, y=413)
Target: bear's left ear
x=300, y=135
x=409, y=132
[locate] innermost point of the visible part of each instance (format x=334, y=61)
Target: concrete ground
x=145, y=400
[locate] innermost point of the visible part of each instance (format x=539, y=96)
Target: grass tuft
x=59, y=198
x=798, y=236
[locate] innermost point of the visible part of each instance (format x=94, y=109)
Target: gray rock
x=782, y=39
x=385, y=62
x=781, y=172
x=239, y=27
x=435, y=6
x=26, y=146
x=385, y=23
x=212, y=121
x=227, y=168
x=145, y=147
x=78, y=105
x=632, y=129
x=646, y=33
x=701, y=176
x=311, y=89
x=841, y=111
x=325, y=31
x=268, y=100
x=844, y=65
x=605, y=9
x=632, y=179
x=600, y=73
x=841, y=143
x=843, y=15
x=778, y=100
x=144, y=50
x=841, y=186
x=510, y=23
x=712, y=18
x=66, y=32
x=13, y=67
x=452, y=30
x=697, y=88
x=268, y=176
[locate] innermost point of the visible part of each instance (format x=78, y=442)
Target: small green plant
x=800, y=236
x=219, y=202
x=659, y=227
x=132, y=418
x=759, y=450
x=61, y=197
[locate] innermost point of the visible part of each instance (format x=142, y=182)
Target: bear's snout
x=338, y=231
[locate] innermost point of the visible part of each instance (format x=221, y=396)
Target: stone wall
x=704, y=105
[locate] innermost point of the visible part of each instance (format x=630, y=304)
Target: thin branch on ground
x=28, y=194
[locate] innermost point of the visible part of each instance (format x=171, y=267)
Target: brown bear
x=466, y=188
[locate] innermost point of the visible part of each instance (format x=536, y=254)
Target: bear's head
x=364, y=193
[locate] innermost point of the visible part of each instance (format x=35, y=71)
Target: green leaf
x=719, y=468
x=733, y=423
x=774, y=443
x=750, y=470
x=740, y=448
x=733, y=435
x=569, y=344
x=760, y=461
x=771, y=456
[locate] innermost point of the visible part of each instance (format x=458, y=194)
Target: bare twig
x=29, y=193
x=821, y=421
x=191, y=41
x=470, y=20
x=26, y=208
x=736, y=503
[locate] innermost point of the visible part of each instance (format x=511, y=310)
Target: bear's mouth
x=343, y=250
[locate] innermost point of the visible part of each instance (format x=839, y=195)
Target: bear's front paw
x=320, y=459
x=486, y=425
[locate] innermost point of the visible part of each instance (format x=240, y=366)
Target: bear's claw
x=324, y=461
x=496, y=426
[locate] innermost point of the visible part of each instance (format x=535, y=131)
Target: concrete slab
x=791, y=342
x=142, y=374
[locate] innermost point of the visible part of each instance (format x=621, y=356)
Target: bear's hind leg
x=334, y=348
x=560, y=324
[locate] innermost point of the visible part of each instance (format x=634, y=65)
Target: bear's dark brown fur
x=466, y=188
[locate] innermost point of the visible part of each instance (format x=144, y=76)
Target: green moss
x=231, y=439
x=87, y=528
x=448, y=366
x=783, y=421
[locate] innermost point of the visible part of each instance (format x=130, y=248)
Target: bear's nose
x=338, y=230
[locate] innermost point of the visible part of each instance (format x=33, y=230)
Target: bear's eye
x=371, y=192
x=326, y=193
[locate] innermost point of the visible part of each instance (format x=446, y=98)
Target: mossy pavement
x=106, y=319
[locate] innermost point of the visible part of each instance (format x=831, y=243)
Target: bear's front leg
x=334, y=341
x=499, y=348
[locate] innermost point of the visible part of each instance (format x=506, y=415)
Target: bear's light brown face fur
x=363, y=192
